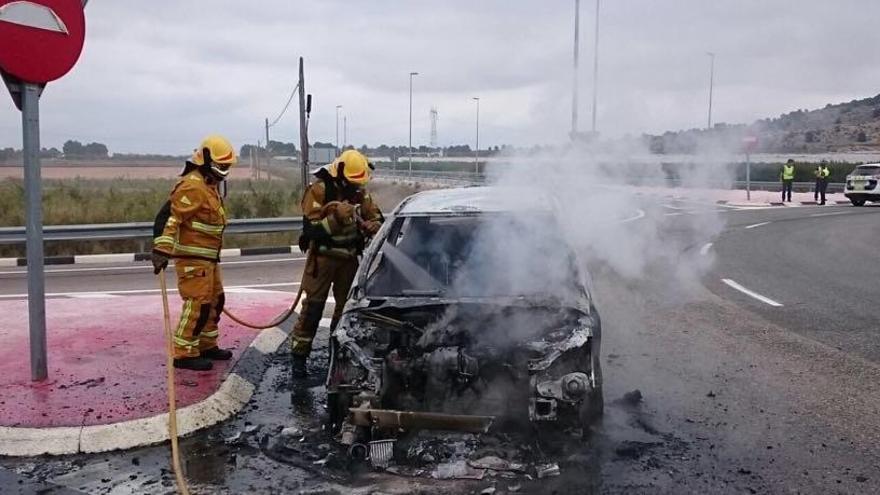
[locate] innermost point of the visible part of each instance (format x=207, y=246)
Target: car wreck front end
x=438, y=335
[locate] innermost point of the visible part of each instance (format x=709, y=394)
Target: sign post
x=750, y=143
x=40, y=41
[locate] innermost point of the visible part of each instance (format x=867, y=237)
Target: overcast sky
x=156, y=76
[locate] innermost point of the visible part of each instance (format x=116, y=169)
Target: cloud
x=156, y=77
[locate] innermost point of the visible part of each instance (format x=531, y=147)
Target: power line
x=285, y=106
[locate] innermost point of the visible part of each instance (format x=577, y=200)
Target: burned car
x=469, y=310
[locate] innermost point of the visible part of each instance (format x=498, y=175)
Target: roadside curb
x=233, y=394
x=795, y=204
x=133, y=257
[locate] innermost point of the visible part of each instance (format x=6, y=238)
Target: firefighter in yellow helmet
x=338, y=217
x=189, y=228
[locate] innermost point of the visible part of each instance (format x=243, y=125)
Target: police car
x=863, y=184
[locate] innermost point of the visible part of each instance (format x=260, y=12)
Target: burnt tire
x=338, y=404
x=592, y=409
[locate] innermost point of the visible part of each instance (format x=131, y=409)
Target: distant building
x=321, y=156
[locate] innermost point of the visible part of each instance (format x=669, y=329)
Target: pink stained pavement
x=107, y=357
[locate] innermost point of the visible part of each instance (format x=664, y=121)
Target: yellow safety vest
x=825, y=172
x=788, y=172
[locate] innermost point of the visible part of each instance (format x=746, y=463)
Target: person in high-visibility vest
x=189, y=229
x=787, y=177
x=822, y=173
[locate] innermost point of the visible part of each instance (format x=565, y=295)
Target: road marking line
x=94, y=295
x=705, y=249
x=639, y=214
x=674, y=207
x=146, y=267
x=829, y=214
x=672, y=214
x=750, y=293
x=232, y=288
x=757, y=225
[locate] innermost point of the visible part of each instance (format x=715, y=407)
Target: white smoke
x=616, y=208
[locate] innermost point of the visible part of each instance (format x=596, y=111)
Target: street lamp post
x=711, y=84
x=574, y=85
x=477, y=151
x=596, y=69
x=411, y=74
x=338, y=107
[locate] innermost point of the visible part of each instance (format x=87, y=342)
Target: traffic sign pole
x=748, y=177
x=30, y=118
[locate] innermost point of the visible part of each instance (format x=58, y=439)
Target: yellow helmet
x=220, y=153
x=355, y=167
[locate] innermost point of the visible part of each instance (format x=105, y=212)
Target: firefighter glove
x=345, y=213
x=160, y=262
x=370, y=227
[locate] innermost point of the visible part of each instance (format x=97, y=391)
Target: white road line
x=829, y=214
x=757, y=225
x=146, y=267
x=639, y=214
x=140, y=291
x=750, y=293
x=705, y=249
x=674, y=207
x=672, y=214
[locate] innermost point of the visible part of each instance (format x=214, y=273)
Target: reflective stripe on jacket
x=197, y=221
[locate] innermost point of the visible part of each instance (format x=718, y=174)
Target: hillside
x=852, y=126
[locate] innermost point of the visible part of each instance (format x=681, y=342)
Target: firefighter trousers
x=320, y=274
x=200, y=284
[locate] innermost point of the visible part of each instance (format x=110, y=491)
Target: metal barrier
x=141, y=230
x=471, y=178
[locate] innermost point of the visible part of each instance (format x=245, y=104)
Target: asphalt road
x=819, y=264
x=738, y=395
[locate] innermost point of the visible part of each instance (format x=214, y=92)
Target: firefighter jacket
x=325, y=231
x=192, y=221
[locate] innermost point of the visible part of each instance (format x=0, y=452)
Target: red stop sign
x=40, y=40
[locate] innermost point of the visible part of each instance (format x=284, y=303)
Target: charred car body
x=469, y=309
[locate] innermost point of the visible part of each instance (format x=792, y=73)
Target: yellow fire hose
x=172, y=393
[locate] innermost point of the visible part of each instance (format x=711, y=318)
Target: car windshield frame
x=580, y=288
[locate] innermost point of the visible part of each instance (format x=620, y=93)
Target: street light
x=574, y=84
x=411, y=74
x=711, y=84
x=337, y=129
x=477, y=151
x=596, y=69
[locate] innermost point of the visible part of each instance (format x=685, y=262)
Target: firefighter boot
x=193, y=363
x=298, y=366
x=217, y=354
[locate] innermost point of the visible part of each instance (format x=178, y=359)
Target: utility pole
x=304, y=110
x=574, y=84
x=411, y=74
x=259, y=147
x=268, y=156
x=596, y=70
x=477, y=151
x=711, y=84
x=337, y=129
x=344, y=131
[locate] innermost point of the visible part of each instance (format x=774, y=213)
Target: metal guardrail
x=141, y=230
x=471, y=178
x=144, y=230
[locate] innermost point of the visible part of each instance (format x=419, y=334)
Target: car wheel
x=857, y=202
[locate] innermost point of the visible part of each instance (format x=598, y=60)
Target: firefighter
x=189, y=228
x=822, y=173
x=787, y=176
x=338, y=216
